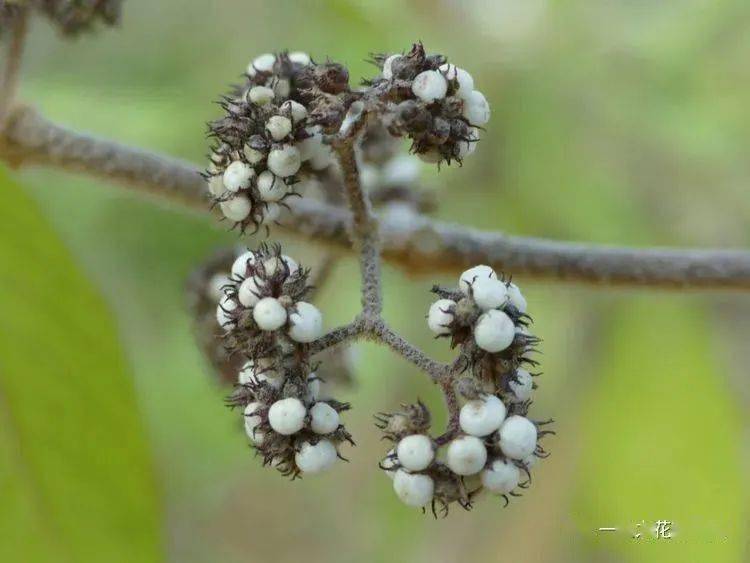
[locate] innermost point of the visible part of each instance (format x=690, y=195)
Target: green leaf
x=663, y=441
x=76, y=477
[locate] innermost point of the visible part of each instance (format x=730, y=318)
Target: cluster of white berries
x=265, y=319
x=434, y=103
x=492, y=452
x=491, y=303
x=492, y=445
x=297, y=433
x=265, y=295
x=272, y=132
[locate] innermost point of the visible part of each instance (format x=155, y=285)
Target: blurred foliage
x=76, y=476
x=618, y=122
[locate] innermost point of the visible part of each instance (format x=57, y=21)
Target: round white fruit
x=287, y=416
x=517, y=437
x=415, y=452
x=501, y=477
x=466, y=455
x=314, y=458
x=413, y=490
x=482, y=417
x=494, y=331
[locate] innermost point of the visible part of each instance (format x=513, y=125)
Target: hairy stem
x=414, y=242
x=382, y=333
x=364, y=228
x=13, y=58
x=454, y=409
x=338, y=336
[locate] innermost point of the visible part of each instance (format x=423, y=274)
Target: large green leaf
x=76, y=480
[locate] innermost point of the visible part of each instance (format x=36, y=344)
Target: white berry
x=287, y=416
x=314, y=458
x=262, y=63
x=482, y=417
x=313, y=388
x=413, y=490
x=522, y=387
x=489, y=293
x=237, y=176
x=216, y=286
x=468, y=146
x=269, y=314
x=494, y=331
x=429, y=86
x=270, y=187
x=306, y=322
x=415, y=452
x=223, y=312
x=476, y=109
x=516, y=298
x=273, y=210
x=440, y=316
x=236, y=209
x=271, y=265
x=295, y=109
x=284, y=161
x=323, y=418
x=253, y=156
x=300, y=58
x=250, y=292
x=466, y=455
x=260, y=372
x=530, y=461
x=260, y=95
x=517, y=437
x=388, y=66
x=278, y=127
x=473, y=274
x=240, y=265
x=216, y=186
x=501, y=477
x=252, y=421
x=465, y=80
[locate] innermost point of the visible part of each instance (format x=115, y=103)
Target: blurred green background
x=613, y=122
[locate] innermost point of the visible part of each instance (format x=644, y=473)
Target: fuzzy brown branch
x=364, y=229
x=13, y=58
x=409, y=240
x=381, y=332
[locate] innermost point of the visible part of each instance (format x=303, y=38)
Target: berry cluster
x=432, y=102
x=272, y=133
x=71, y=17
x=266, y=320
x=494, y=444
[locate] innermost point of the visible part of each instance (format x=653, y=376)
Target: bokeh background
x=613, y=122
